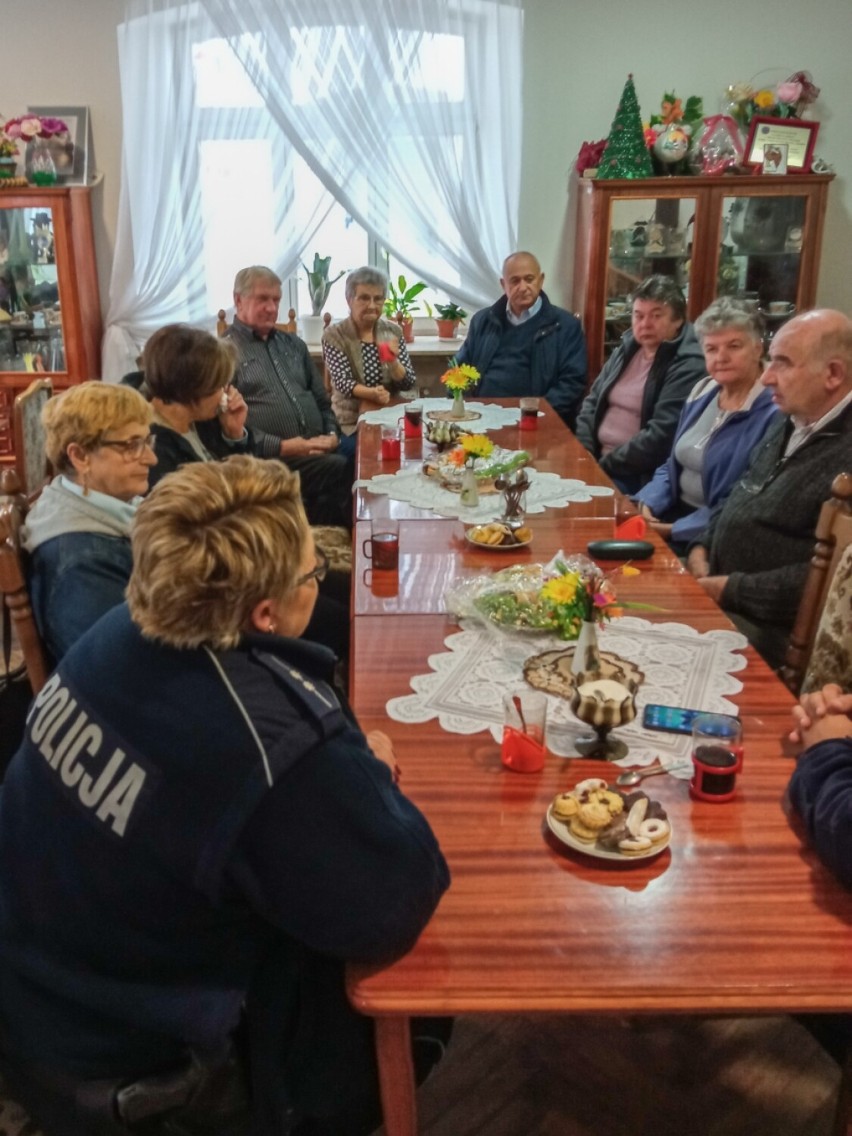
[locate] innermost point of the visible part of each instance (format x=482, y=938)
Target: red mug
x=383, y=546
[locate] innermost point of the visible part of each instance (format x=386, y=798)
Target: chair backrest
x=820, y=648
x=222, y=322
x=13, y=581
x=31, y=461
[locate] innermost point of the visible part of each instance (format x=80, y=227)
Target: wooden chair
x=290, y=325
x=13, y=581
x=31, y=461
x=820, y=648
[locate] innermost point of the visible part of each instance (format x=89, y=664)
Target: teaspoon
x=634, y=776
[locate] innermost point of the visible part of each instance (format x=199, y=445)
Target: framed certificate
x=796, y=136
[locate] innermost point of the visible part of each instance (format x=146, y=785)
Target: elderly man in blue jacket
x=524, y=345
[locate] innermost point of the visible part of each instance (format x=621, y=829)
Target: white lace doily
x=546, y=490
x=491, y=417
x=682, y=667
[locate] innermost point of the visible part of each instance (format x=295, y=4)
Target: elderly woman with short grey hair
x=364, y=354
x=723, y=419
x=628, y=418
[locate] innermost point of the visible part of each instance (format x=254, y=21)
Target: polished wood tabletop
x=552, y=449
x=736, y=915
x=435, y=555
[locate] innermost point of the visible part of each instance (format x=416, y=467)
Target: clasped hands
x=821, y=715
x=308, y=447
x=698, y=564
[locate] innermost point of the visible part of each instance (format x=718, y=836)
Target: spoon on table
x=634, y=776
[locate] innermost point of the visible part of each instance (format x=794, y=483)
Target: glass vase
x=458, y=410
x=469, y=490
x=40, y=167
x=8, y=167
x=587, y=657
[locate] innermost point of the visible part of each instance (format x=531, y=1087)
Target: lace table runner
x=546, y=490
x=491, y=417
x=682, y=667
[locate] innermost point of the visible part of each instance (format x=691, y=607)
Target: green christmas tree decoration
x=626, y=154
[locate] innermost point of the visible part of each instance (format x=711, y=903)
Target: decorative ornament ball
x=672, y=142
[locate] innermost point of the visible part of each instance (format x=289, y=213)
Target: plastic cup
x=529, y=413
x=382, y=546
x=524, y=721
x=717, y=757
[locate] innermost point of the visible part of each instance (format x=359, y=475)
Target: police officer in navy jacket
x=196, y=836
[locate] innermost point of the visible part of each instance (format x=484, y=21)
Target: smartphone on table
x=672, y=719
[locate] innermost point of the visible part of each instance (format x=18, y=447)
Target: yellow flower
x=460, y=378
x=629, y=570
x=561, y=589
x=476, y=445
x=764, y=99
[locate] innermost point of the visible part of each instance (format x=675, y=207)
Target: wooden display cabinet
x=753, y=237
x=50, y=313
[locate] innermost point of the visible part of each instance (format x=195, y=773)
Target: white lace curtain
x=350, y=86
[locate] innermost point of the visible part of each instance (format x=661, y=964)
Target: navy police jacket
x=172, y=815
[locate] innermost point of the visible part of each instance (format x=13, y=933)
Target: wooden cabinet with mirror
x=50, y=315
x=757, y=238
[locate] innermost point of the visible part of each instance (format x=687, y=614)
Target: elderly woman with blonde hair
x=232, y=839
x=78, y=532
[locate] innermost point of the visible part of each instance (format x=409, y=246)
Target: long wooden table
x=735, y=916
x=552, y=449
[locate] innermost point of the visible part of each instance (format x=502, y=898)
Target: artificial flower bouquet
x=789, y=99
x=555, y=598
x=478, y=453
x=459, y=377
x=30, y=126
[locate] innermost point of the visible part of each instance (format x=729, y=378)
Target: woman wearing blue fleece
x=723, y=419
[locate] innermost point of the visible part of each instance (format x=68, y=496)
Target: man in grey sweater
x=753, y=557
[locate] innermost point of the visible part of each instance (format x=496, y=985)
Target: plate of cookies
x=605, y=822
x=498, y=537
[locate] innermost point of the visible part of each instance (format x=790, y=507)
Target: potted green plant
x=319, y=287
x=400, y=305
x=448, y=319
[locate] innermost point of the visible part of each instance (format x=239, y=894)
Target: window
x=242, y=158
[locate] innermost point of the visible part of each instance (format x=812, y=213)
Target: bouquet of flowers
x=789, y=99
x=459, y=377
x=556, y=598
x=471, y=447
x=32, y=126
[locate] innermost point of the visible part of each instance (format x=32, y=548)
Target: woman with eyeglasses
x=98, y=440
x=226, y=839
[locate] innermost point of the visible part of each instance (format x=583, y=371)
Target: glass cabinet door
x=760, y=254
x=646, y=236
x=31, y=336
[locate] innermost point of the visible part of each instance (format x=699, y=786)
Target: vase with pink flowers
x=35, y=131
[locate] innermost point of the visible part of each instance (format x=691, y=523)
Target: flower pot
x=407, y=325
x=311, y=328
x=447, y=328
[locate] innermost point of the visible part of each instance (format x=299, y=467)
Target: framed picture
x=795, y=134
x=70, y=152
x=775, y=158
